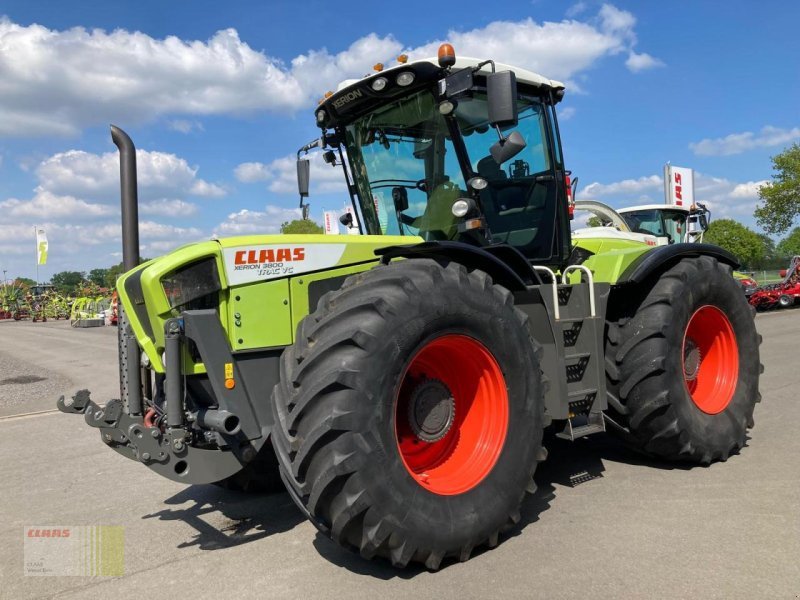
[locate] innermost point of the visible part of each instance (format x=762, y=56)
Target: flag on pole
x=41, y=247
x=331, y=225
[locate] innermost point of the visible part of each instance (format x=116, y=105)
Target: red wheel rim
x=710, y=359
x=466, y=446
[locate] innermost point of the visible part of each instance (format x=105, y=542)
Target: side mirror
x=346, y=219
x=400, y=199
x=703, y=222
x=501, y=91
x=507, y=147
x=303, y=176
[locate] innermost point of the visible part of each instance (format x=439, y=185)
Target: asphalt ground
x=604, y=523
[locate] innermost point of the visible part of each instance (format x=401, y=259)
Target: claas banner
x=331, y=223
x=678, y=185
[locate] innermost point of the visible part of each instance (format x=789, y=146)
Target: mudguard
x=506, y=265
x=663, y=257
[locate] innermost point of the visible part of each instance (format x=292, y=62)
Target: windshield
x=408, y=175
x=658, y=222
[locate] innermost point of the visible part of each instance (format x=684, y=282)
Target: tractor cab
x=670, y=223
x=452, y=150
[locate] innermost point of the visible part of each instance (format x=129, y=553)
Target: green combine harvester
x=399, y=383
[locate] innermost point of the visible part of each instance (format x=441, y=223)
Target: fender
x=505, y=264
x=662, y=257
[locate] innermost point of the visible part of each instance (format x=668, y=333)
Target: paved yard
x=605, y=523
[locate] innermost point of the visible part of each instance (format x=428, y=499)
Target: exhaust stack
x=134, y=380
x=129, y=197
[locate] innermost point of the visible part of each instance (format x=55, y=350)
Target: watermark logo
x=89, y=551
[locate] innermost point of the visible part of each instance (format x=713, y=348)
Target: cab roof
x=679, y=207
x=462, y=62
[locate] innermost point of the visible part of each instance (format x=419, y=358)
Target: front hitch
x=127, y=434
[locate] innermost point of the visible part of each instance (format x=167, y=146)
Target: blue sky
x=219, y=96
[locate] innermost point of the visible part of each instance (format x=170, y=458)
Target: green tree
x=302, y=226
x=67, y=282
x=781, y=196
x=113, y=273
x=744, y=243
x=790, y=245
x=594, y=221
x=24, y=281
x=98, y=277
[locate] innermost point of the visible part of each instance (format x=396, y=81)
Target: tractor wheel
x=785, y=301
x=260, y=475
x=684, y=367
x=408, y=416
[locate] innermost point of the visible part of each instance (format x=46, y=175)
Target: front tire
x=683, y=366
x=408, y=417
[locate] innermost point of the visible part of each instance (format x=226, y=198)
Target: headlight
x=405, y=78
x=191, y=283
x=379, y=84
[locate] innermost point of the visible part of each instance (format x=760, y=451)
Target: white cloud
x=736, y=143
x=252, y=221
x=47, y=205
x=251, y=172
x=324, y=179
x=618, y=21
x=96, y=176
x=624, y=187
x=566, y=113
x=56, y=82
x=641, y=62
x=725, y=198
x=150, y=230
x=168, y=208
x=556, y=50
x=206, y=189
x=576, y=9
x=185, y=125
x=77, y=202
x=748, y=190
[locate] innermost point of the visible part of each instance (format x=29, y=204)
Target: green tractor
x=398, y=383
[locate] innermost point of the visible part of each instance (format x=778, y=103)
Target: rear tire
x=684, y=367
x=785, y=301
x=371, y=369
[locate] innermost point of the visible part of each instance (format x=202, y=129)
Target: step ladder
x=578, y=330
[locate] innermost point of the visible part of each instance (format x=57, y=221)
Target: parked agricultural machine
x=399, y=382
x=779, y=295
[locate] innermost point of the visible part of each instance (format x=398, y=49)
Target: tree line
x=778, y=211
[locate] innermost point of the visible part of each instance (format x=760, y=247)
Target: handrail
x=554, y=280
x=586, y=270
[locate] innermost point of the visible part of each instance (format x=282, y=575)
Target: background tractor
x=399, y=382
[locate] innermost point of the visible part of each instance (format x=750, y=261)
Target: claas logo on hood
x=269, y=255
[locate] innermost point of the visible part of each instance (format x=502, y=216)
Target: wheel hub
x=431, y=410
x=691, y=359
